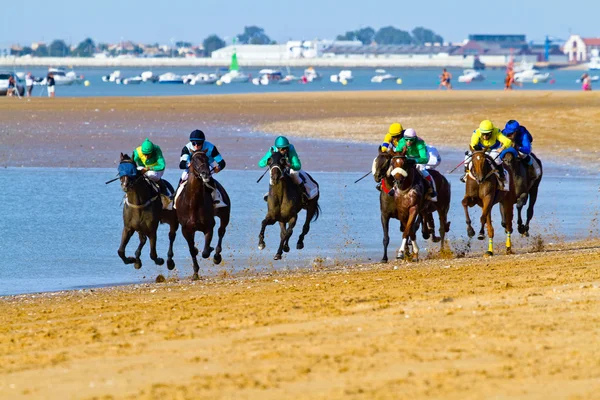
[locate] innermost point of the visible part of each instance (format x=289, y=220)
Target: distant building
x=500, y=40
x=579, y=49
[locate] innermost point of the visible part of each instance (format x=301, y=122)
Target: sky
x=153, y=21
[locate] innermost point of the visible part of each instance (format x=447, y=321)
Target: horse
x=526, y=187
x=409, y=198
x=142, y=213
x=387, y=205
x=195, y=210
x=482, y=190
x=284, y=203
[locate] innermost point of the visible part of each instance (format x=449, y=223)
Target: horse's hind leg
x=486, y=215
x=490, y=229
x=285, y=236
x=189, y=234
x=172, y=233
x=208, y=235
x=466, y=205
x=533, y=193
x=138, y=252
x=153, y=255
x=224, y=221
x=125, y=237
x=261, y=235
x=385, y=224
x=310, y=213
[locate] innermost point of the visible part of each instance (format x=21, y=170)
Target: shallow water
x=61, y=227
x=412, y=79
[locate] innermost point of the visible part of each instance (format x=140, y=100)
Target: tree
x=41, y=51
x=58, y=48
x=365, y=35
x=87, y=48
x=423, y=35
x=183, y=44
x=254, y=35
x=391, y=35
x=350, y=35
x=212, y=43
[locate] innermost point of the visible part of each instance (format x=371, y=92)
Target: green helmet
x=282, y=142
x=147, y=147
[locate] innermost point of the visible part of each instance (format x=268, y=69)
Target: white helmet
x=410, y=133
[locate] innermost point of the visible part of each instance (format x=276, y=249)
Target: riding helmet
x=197, y=135
x=147, y=147
x=511, y=127
x=410, y=133
x=486, y=126
x=395, y=129
x=282, y=142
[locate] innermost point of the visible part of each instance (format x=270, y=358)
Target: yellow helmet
x=486, y=126
x=395, y=129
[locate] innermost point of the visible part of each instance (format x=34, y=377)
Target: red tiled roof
x=591, y=41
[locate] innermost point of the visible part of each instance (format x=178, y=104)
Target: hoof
x=527, y=233
x=436, y=239
x=286, y=248
x=195, y=277
x=488, y=254
x=159, y=261
x=426, y=235
x=129, y=260
x=277, y=257
x=384, y=260
x=217, y=259
x=300, y=245
x=207, y=253
x=194, y=252
x=137, y=264
x=481, y=236
x=470, y=232
x=521, y=229
x=170, y=264
x=400, y=256
x=509, y=250
x=415, y=258
x=261, y=245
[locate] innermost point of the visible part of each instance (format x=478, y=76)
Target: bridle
x=487, y=160
x=131, y=183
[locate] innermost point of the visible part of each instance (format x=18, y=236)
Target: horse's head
x=277, y=166
x=128, y=172
x=401, y=166
x=199, y=166
x=481, y=167
x=381, y=165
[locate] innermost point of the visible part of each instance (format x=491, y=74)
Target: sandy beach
x=521, y=326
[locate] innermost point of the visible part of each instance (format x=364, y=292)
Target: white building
x=579, y=49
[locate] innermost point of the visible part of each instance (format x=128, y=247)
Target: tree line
x=250, y=35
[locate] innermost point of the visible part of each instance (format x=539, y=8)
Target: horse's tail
x=317, y=213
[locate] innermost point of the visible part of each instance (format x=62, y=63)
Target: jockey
x=488, y=138
x=521, y=139
x=283, y=145
x=150, y=161
x=198, y=143
x=417, y=150
x=391, y=139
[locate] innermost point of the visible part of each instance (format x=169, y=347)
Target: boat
x=594, y=64
x=594, y=78
x=170, y=78
x=382, y=76
x=523, y=66
x=310, y=75
x=112, y=77
x=204, y=79
x=471, y=75
x=345, y=75
x=234, y=75
x=531, y=75
x=267, y=76
x=288, y=79
x=63, y=78
x=134, y=80
x=148, y=76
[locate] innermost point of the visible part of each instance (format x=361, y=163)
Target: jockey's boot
x=463, y=178
x=431, y=193
x=378, y=186
x=266, y=196
x=501, y=176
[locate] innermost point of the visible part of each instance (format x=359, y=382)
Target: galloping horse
x=409, y=197
x=196, y=212
x=526, y=186
x=283, y=205
x=482, y=190
x=142, y=213
x=387, y=205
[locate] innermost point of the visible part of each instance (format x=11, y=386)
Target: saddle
x=166, y=192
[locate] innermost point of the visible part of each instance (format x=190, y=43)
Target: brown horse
x=196, y=212
x=142, y=212
x=409, y=197
x=483, y=189
x=526, y=187
x=284, y=203
x=388, y=209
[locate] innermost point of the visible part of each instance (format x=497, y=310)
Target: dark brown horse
x=387, y=205
x=142, y=212
x=409, y=197
x=482, y=189
x=284, y=203
x=526, y=187
x=196, y=212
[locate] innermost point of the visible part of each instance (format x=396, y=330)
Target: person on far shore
x=29, y=79
x=445, y=79
x=11, y=86
x=586, y=81
x=51, y=83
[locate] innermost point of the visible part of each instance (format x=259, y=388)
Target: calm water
x=412, y=79
x=61, y=227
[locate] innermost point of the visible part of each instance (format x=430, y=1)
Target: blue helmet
x=197, y=136
x=511, y=127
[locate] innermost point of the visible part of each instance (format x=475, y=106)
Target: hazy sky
x=159, y=21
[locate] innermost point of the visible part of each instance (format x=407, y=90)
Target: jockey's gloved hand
x=216, y=169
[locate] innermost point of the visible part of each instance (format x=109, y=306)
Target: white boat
x=234, y=75
x=310, y=75
x=288, y=79
x=470, y=75
x=267, y=76
x=148, y=76
x=170, y=78
x=62, y=77
x=344, y=76
x=594, y=64
x=594, y=78
x=112, y=77
x=523, y=66
x=204, y=79
x=134, y=80
x=531, y=75
x=382, y=76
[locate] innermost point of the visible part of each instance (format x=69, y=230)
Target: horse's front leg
x=486, y=210
x=224, y=221
x=261, y=235
x=153, y=255
x=125, y=237
x=533, y=193
x=188, y=234
x=208, y=235
x=508, y=229
x=466, y=204
x=172, y=233
x=138, y=252
x=408, y=233
x=490, y=227
x=385, y=224
x=286, y=233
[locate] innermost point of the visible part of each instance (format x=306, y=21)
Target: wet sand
x=84, y=132
x=522, y=326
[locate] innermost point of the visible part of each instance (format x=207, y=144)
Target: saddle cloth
x=217, y=196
